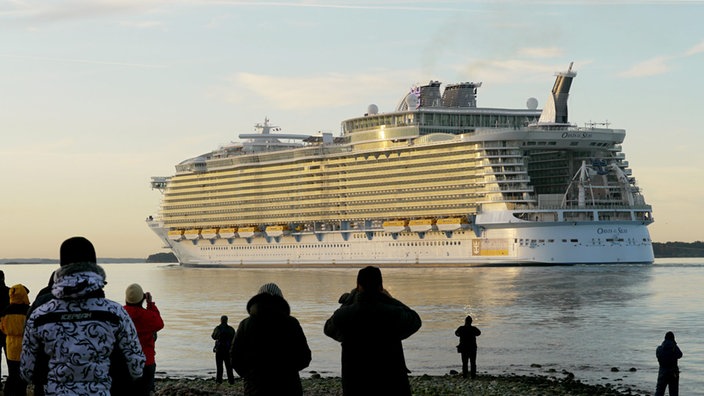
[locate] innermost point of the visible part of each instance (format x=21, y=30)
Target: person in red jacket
x=147, y=321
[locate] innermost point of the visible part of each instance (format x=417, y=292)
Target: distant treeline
x=162, y=258
x=678, y=249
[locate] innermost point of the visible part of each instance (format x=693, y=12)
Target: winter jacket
x=223, y=334
x=78, y=331
x=147, y=322
x=270, y=348
x=371, y=326
x=667, y=353
x=13, y=320
x=468, y=338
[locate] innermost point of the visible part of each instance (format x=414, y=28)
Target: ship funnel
x=555, y=111
x=460, y=95
x=430, y=94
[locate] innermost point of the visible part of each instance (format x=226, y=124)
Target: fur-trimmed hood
x=78, y=280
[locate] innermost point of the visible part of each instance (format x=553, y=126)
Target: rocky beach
x=447, y=385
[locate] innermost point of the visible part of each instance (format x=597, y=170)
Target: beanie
x=134, y=294
x=271, y=288
x=77, y=250
x=370, y=279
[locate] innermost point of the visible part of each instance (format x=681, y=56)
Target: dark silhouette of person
x=223, y=334
x=41, y=368
x=270, y=347
x=669, y=373
x=12, y=325
x=468, y=346
x=370, y=325
x=4, y=303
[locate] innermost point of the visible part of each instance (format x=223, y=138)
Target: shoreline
x=422, y=385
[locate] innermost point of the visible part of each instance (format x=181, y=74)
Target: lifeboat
x=192, y=234
x=276, y=230
x=247, y=232
x=421, y=225
x=227, y=232
x=209, y=233
x=449, y=223
x=395, y=226
x=175, y=235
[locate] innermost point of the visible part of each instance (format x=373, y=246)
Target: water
x=583, y=319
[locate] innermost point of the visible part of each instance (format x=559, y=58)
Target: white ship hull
x=510, y=244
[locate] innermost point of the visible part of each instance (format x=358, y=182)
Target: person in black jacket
x=270, y=347
x=223, y=335
x=468, y=346
x=4, y=303
x=371, y=325
x=669, y=373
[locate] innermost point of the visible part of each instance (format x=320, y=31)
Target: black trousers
x=471, y=356
x=220, y=359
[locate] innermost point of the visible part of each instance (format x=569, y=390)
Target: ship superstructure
x=438, y=181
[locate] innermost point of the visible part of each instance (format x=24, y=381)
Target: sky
x=98, y=96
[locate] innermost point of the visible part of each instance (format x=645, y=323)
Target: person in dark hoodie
x=79, y=329
x=12, y=325
x=669, y=373
x=371, y=325
x=270, y=348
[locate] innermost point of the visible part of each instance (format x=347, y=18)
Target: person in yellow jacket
x=12, y=324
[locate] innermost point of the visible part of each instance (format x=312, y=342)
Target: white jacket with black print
x=78, y=331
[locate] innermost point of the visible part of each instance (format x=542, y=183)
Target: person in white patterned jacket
x=70, y=339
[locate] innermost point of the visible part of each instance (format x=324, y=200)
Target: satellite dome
x=532, y=103
x=372, y=109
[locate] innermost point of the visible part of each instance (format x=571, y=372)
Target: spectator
x=669, y=373
x=79, y=329
x=223, y=334
x=270, y=348
x=147, y=322
x=12, y=325
x=371, y=325
x=468, y=346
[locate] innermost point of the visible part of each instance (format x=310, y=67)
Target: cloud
x=697, y=49
x=650, y=67
x=87, y=61
x=537, y=52
x=55, y=11
x=513, y=70
x=144, y=24
x=325, y=91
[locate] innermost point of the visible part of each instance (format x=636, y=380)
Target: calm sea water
x=583, y=319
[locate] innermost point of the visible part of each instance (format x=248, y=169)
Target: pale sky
x=98, y=96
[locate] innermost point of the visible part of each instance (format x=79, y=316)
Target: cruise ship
x=438, y=181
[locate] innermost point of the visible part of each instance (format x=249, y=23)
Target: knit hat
x=77, y=250
x=370, y=279
x=271, y=288
x=134, y=294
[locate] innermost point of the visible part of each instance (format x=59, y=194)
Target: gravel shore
x=447, y=385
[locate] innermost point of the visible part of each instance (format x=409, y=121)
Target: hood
x=78, y=280
x=18, y=294
x=265, y=304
